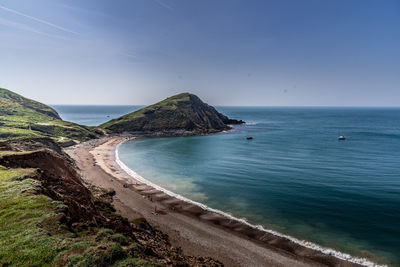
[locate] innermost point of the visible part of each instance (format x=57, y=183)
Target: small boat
x=249, y=137
x=342, y=137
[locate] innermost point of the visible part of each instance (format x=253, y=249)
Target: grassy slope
x=22, y=117
x=31, y=233
x=168, y=104
x=34, y=105
x=22, y=241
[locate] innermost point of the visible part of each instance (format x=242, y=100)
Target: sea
x=294, y=177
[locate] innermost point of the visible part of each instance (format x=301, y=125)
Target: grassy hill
x=22, y=117
x=184, y=112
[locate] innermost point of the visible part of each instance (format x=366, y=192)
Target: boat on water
x=249, y=137
x=342, y=137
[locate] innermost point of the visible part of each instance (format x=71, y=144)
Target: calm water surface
x=294, y=176
x=92, y=115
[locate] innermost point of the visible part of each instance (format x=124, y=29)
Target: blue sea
x=294, y=177
x=92, y=115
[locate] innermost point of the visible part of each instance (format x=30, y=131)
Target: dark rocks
x=232, y=121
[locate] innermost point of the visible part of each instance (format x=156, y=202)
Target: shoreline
x=284, y=250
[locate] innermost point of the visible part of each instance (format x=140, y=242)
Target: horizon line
x=261, y=106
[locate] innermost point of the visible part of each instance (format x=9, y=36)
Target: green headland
x=23, y=117
x=184, y=113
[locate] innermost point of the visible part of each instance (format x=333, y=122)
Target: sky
x=228, y=52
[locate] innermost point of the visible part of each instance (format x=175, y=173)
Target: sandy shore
x=197, y=231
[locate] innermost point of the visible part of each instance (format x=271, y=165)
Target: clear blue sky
x=229, y=52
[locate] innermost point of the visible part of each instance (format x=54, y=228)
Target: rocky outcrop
x=184, y=113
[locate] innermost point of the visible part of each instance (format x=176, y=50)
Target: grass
x=7, y=132
x=133, y=263
x=31, y=233
x=6, y=97
x=22, y=117
x=168, y=104
x=22, y=241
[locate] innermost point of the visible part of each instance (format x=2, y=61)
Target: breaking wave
x=325, y=250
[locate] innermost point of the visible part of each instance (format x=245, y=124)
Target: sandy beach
x=197, y=231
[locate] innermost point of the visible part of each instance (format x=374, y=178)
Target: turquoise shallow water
x=294, y=176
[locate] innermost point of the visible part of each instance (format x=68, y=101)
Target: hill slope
x=8, y=96
x=183, y=113
x=22, y=117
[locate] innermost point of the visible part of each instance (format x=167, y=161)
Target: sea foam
x=325, y=250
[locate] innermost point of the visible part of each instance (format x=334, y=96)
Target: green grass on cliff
x=8, y=97
x=168, y=104
x=22, y=117
x=31, y=233
x=22, y=241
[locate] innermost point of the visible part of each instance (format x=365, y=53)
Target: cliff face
x=184, y=112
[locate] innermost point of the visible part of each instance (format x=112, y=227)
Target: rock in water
x=180, y=114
